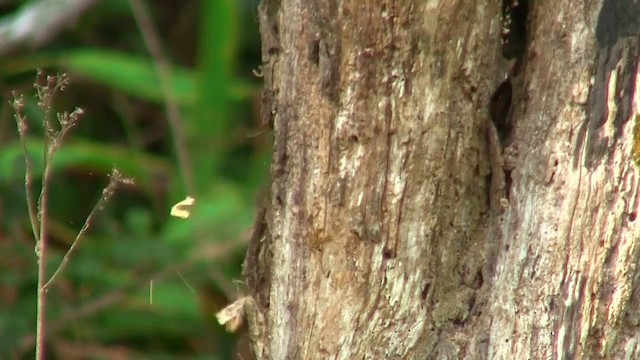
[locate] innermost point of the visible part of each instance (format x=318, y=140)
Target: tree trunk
x=403, y=223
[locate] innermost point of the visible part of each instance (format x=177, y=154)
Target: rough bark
x=386, y=235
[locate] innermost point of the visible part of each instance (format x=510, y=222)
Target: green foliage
x=140, y=281
x=136, y=74
x=90, y=155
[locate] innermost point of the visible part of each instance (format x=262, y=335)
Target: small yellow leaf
x=183, y=208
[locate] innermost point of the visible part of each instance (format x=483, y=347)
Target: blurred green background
x=142, y=285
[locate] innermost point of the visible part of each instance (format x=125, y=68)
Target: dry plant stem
x=45, y=94
x=46, y=89
x=41, y=249
x=114, y=179
x=18, y=105
x=110, y=299
x=152, y=40
x=23, y=129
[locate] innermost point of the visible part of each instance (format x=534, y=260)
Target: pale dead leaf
x=183, y=208
x=232, y=316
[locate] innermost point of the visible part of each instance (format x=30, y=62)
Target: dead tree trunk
x=404, y=223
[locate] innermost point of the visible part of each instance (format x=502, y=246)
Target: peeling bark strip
x=618, y=40
x=377, y=241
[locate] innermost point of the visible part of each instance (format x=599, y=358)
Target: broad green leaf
x=209, y=125
x=94, y=157
x=132, y=74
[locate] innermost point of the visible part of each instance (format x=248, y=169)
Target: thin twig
x=114, y=180
x=41, y=250
x=152, y=40
x=186, y=283
x=23, y=129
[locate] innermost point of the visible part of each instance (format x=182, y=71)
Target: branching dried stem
x=23, y=130
x=47, y=86
x=46, y=89
x=115, y=179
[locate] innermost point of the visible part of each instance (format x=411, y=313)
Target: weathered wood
x=379, y=240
